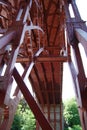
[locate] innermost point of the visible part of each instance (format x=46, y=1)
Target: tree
x=71, y=115
x=24, y=118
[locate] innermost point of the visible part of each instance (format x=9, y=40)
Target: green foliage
x=24, y=119
x=75, y=127
x=17, y=123
x=71, y=115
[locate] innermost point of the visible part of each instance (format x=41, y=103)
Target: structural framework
x=39, y=35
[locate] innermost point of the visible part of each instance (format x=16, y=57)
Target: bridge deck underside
x=45, y=29
x=46, y=76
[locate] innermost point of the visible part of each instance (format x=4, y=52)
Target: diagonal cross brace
x=28, y=68
x=31, y=102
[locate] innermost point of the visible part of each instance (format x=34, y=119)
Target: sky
x=68, y=86
x=68, y=91
x=82, y=6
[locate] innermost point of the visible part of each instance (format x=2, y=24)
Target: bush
x=71, y=114
x=24, y=118
x=75, y=127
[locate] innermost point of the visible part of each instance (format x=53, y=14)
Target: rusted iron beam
x=80, y=80
x=82, y=111
x=28, y=69
x=30, y=66
x=81, y=73
x=18, y=29
x=73, y=23
x=81, y=77
x=45, y=59
x=14, y=102
x=31, y=102
x=27, y=72
x=52, y=59
x=74, y=76
x=4, y=40
x=77, y=32
x=81, y=35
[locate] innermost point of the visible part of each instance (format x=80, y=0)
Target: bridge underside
x=38, y=34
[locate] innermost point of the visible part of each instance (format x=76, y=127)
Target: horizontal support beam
x=45, y=59
x=52, y=59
